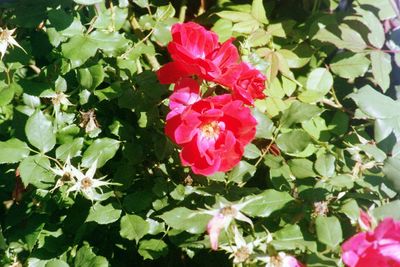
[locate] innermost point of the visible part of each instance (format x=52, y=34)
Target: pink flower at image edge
x=380, y=247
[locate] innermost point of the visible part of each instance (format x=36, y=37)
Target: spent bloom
x=87, y=184
x=241, y=250
x=222, y=218
x=378, y=247
x=7, y=39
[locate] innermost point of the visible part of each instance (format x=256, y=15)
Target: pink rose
x=246, y=82
x=186, y=92
x=380, y=247
x=196, y=51
x=212, y=133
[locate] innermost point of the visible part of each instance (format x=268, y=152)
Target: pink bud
x=214, y=227
x=365, y=221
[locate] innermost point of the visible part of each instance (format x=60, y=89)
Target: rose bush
x=199, y=133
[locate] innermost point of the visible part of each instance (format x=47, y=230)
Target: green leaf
x=35, y=170
x=223, y=28
x=86, y=258
x=329, y=231
x=56, y=263
x=375, y=104
x=185, y=219
x=391, y=169
x=377, y=34
x=40, y=132
x=111, y=43
x=319, y=80
x=242, y=172
x=141, y=3
x=325, y=165
x=235, y=16
x=352, y=39
x=290, y=237
x=301, y=168
x=294, y=141
x=251, y=151
x=258, y=11
x=13, y=150
x=3, y=244
x=391, y=209
x=299, y=112
x=342, y=181
x=79, y=49
x=71, y=149
x=101, y=150
x=6, y=94
x=262, y=205
x=265, y=126
x=383, y=7
x=246, y=27
x=351, y=209
x=133, y=227
x=103, y=214
x=315, y=126
x=88, y=2
x=152, y=249
x=381, y=68
x=349, y=66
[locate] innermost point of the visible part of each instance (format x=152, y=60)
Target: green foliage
x=82, y=97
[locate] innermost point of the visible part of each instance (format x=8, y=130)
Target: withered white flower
x=87, y=184
x=7, y=39
x=65, y=172
x=242, y=250
x=222, y=218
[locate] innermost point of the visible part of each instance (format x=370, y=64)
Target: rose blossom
x=186, y=92
x=196, y=51
x=246, y=82
x=380, y=247
x=222, y=218
x=212, y=133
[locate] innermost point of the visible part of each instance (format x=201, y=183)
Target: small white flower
x=7, y=39
x=86, y=184
x=222, y=218
x=65, y=172
x=242, y=250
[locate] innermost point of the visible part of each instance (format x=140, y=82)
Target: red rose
x=380, y=247
x=196, y=51
x=186, y=92
x=212, y=133
x=246, y=82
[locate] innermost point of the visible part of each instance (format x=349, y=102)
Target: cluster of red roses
x=212, y=130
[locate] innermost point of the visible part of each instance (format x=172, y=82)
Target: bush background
x=327, y=142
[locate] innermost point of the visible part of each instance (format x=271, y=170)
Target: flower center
x=86, y=183
x=210, y=130
x=228, y=211
x=242, y=254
